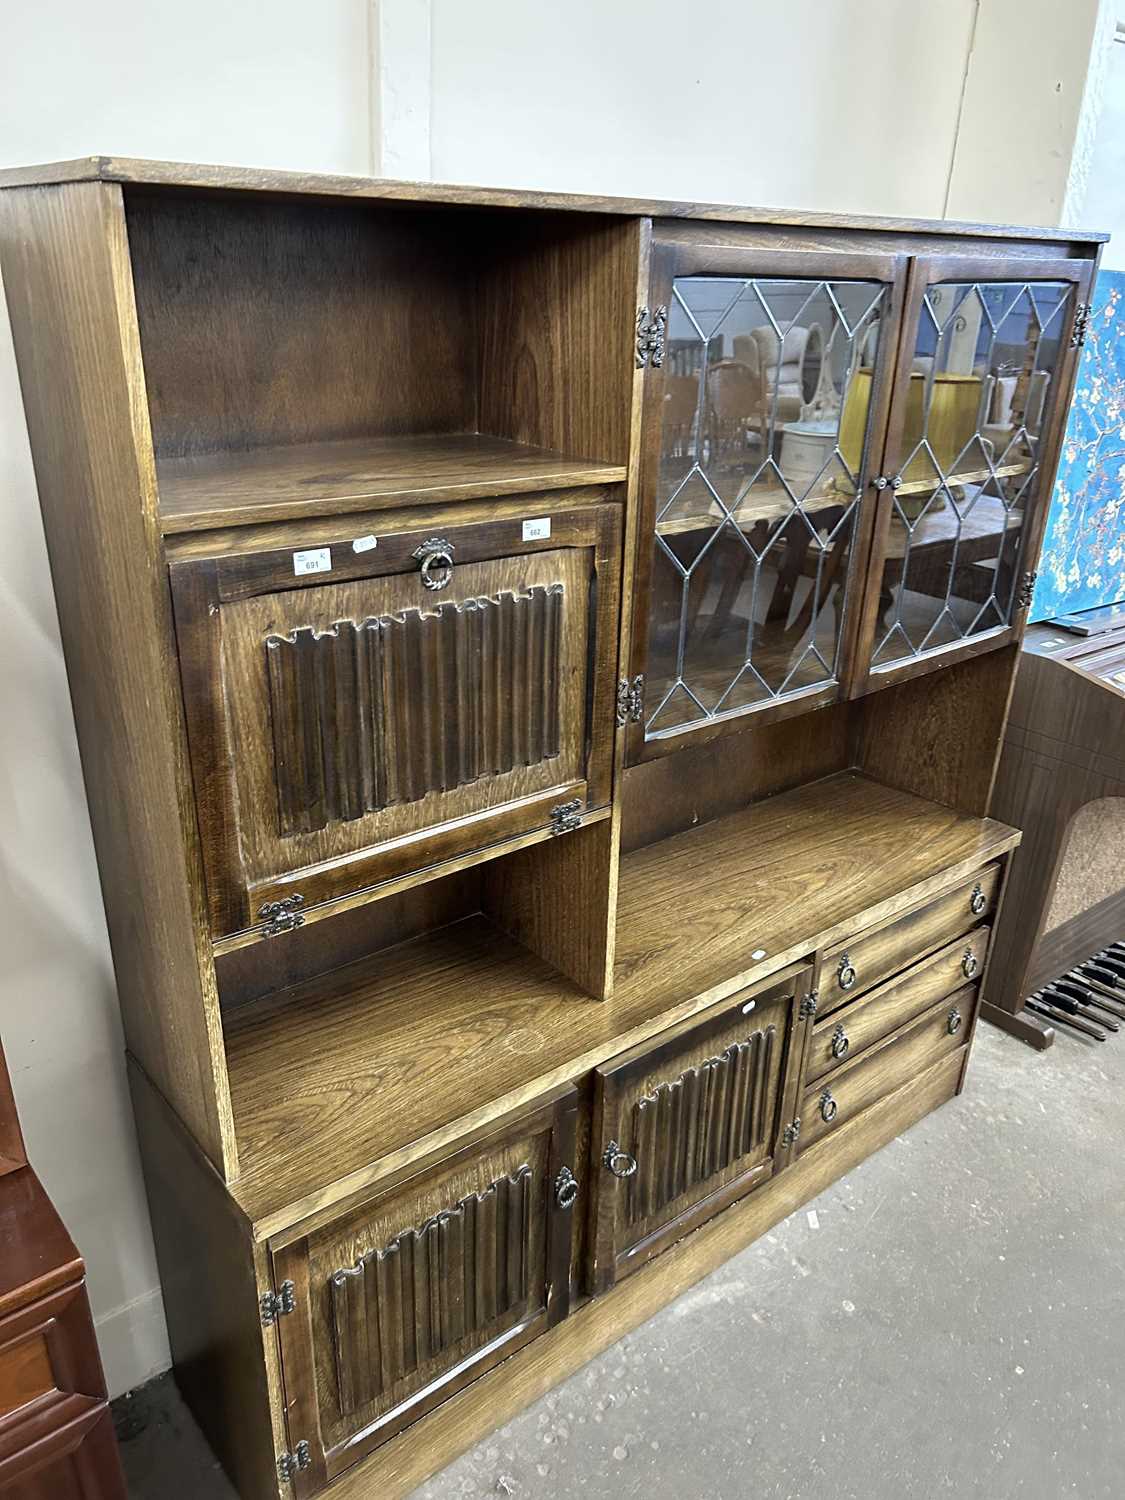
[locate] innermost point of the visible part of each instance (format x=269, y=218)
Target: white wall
x=275, y=83
x=1097, y=198
x=829, y=104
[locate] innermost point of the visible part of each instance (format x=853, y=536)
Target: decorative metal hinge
x=791, y=1133
x=281, y=916
x=567, y=816
x=1026, y=590
x=1082, y=313
x=808, y=1005
x=650, y=337
x=630, y=700
x=289, y=1463
x=275, y=1305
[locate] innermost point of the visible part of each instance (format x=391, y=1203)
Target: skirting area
x=951, y=1325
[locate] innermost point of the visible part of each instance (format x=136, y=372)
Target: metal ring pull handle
x=978, y=900
x=566, y=1188
x=435, y=558
x=840, y=1042
x=619, y=1162
x=969, y=965
x=828, y=1107
x=846, y=973
x=954, y=1022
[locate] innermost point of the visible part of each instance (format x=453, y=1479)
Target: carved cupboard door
x=767, y=377
x=685, y=1126
x=986, y=367
x=355, y=715
x=418, y=1292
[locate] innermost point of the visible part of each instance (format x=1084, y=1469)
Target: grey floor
x=947, y=1320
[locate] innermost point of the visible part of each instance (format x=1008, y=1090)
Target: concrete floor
x=950, y=1320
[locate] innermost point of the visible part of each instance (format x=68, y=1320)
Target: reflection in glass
x=762, y=437
x=984, y=359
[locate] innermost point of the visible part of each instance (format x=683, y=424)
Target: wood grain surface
x=470, y=1023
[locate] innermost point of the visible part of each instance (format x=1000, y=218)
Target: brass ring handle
x=840, y=1042
x=969, y=964
x=954, y=1021
x=828, y=1107
x=435, y=558
x=978, y=900
x=566, y=1188
x=846, y=974
x=619, y=1162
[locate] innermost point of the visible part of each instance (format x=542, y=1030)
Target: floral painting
x=1083, y=561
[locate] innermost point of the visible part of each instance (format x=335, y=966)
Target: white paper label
x=538, y=530
x=758, y=953
x=365, y=544
x=316, y=560
x=814, y=1219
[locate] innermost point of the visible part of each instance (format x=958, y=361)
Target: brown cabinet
x=513, y=607
x=421, y=1290
x=687, y=1125
x=361, y=708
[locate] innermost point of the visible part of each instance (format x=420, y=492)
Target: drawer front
x=687, y=1124
x=862, y=961
x=862, y=1023
x=415, y=1294
x=352, y=725
x=831, y=1102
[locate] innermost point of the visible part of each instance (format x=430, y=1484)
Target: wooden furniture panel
x=66, y=270
x=685, y=1126
x=77, y=1462
x=859, y=962
x=1061, y=753
x=832, y=1102
x=362, y=722
x=416, y=1293
x=853, y=1028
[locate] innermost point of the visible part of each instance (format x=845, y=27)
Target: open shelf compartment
x=304, y=357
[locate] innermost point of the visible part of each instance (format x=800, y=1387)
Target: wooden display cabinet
x=530, y=872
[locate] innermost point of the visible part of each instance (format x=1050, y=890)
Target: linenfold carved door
x=395, y=706
x=401, y=1303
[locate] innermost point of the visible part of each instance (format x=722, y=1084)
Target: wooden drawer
x=863, y=960
x=434, y=693
x=860, y=1024
x=833, y=1101
x=56, y=1436
x=421, y=1290
x=685, y=1125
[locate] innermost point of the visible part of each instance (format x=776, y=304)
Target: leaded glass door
x=766, y=392
x=980, y=394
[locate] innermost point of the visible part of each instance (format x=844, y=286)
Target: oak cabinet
x=539, y=664
x=364, y=708
x=418, y=1292
x=685, y=1127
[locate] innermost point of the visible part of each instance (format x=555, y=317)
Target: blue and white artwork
x=1083, y=560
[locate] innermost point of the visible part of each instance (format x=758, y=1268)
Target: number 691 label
x=316, y=560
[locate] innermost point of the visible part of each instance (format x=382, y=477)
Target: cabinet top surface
x=256, y=179
x=701, y=914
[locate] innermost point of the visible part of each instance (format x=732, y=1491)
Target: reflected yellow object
x=954, y=412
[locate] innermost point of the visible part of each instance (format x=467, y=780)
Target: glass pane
x=984, y=359
x=766, y=394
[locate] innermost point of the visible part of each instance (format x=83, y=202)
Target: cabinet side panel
x=557, y=319
x=209, y=1274
x=66, y=271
